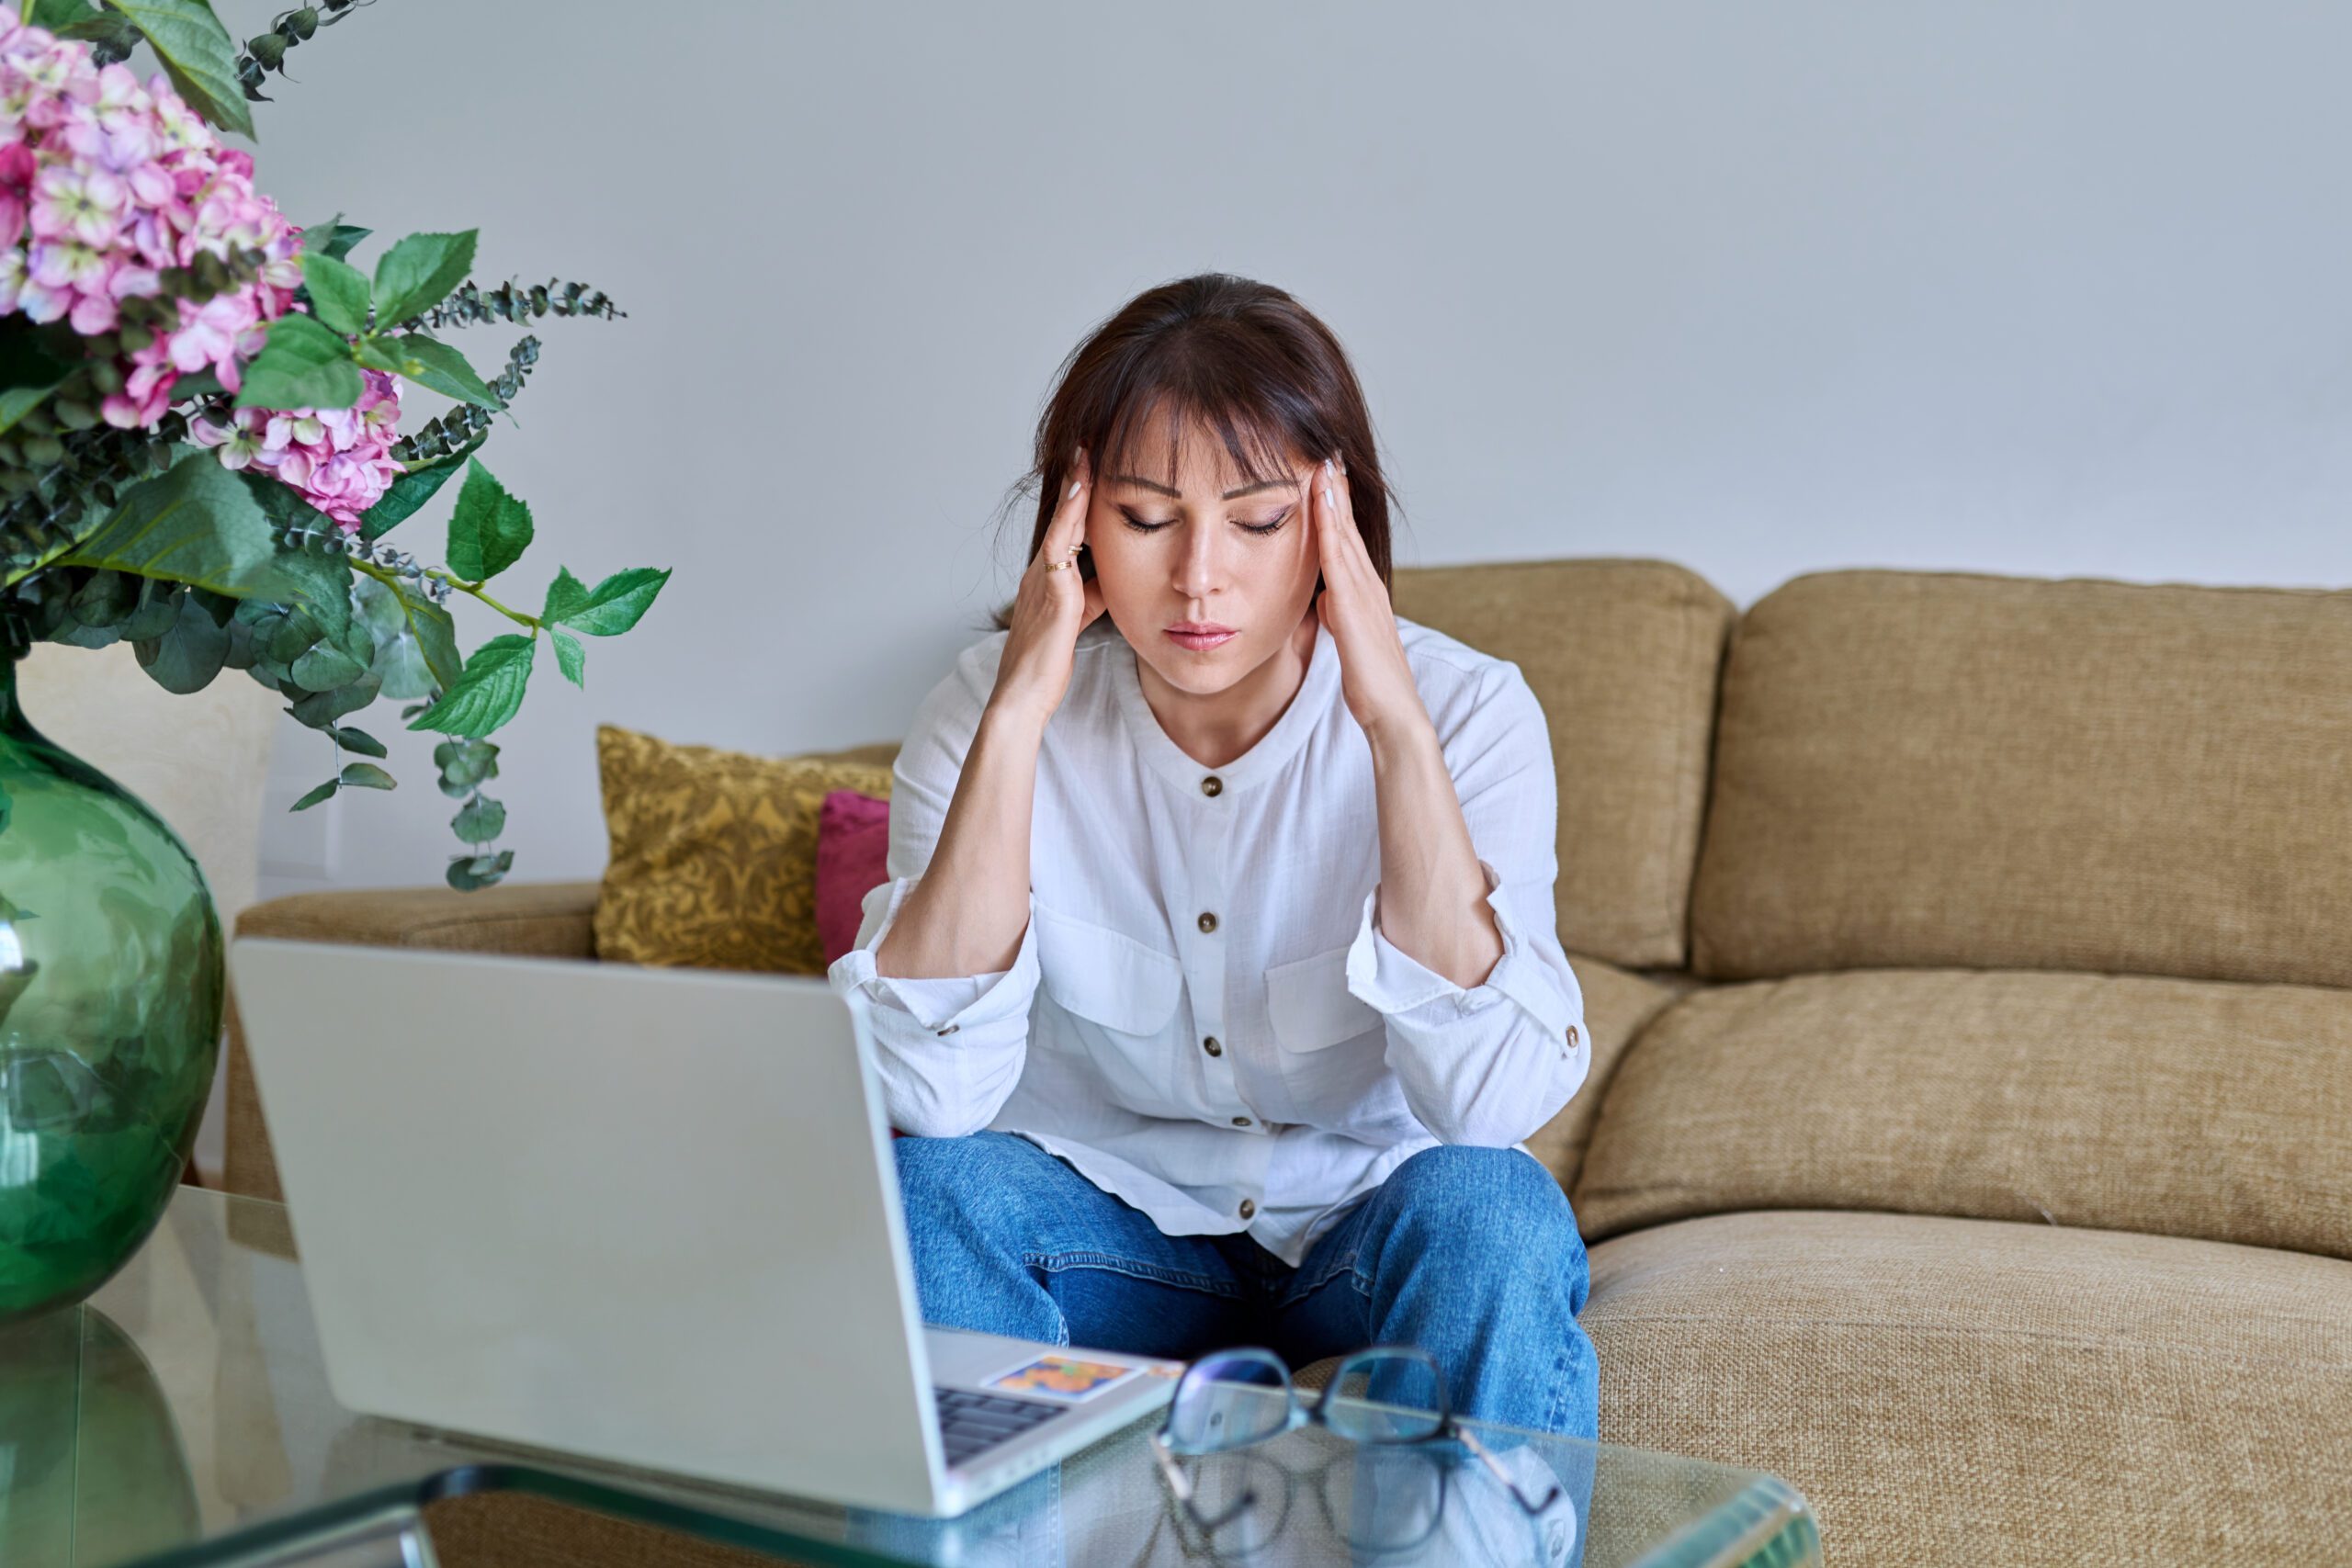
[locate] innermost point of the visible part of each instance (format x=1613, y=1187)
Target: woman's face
x=1214, y=551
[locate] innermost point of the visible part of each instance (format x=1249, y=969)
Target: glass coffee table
x=183, y=1416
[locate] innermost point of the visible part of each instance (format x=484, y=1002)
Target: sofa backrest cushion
x=1946, y=768
x=2191, y=1108
x=1623, y=656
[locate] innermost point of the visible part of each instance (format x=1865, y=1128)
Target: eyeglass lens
x=1226, y=1401
x=1383, y=1396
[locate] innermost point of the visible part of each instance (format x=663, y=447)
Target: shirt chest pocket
x=1310, y=1006
x=1122, y=998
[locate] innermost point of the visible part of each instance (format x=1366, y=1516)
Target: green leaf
x=358, y=740
x=316, y=795
x=185, y=657
x=74, y=635
x=338, y=293
x=430, y=363
x=569, y=656
x=320, y=583
x=367, y=775
x=488, y=694
x=29, y=374
x=106, y=600
x=325, y=666
x=615, y=606
x=194, y=523
x=465, y=763
x=293, y=635
x=333, y=238
x=158, y=608
x=204, y=383
x=56, y=14
x=117, y=35
x=490, y=530
x=303, y=366
x=404, y=497
x=470, y=874
x=318, y=710
x=421, y=270
x=565, y=594
x=481, y=820
x=196, y=55
x=416, y=642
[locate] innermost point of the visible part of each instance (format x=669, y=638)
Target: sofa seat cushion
x=2176, y=1107
x=1973, y=1391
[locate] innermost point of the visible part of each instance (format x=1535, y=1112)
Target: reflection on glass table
x=183, y=1416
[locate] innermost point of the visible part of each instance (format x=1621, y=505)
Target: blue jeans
x=1470, y=1253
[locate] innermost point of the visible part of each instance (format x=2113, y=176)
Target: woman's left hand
x=1373, y=674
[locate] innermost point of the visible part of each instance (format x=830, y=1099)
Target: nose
x=1201, y=568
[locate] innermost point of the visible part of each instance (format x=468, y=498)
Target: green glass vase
x=110, y=995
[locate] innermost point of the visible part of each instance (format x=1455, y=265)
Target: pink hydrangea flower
x=339, y=458
x=105, y=182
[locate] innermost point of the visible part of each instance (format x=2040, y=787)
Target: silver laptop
x=645, y=1216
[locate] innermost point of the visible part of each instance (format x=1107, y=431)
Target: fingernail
x=1073, y=488
x=1327, y=467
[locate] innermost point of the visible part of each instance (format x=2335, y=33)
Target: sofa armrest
x=545, y=919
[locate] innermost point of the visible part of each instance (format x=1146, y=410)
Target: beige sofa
x=1969, y=965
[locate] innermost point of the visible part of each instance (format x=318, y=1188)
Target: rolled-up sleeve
x=949, y=1050
x=1492, y=1062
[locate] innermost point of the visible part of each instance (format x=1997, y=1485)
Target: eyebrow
x=1228, y=495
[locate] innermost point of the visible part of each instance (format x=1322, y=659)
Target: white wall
x=2050, y=288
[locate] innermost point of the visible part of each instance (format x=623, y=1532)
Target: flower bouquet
x=201, y=450
x=201, y=456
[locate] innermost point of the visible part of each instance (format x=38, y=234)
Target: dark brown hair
x=1246, y=359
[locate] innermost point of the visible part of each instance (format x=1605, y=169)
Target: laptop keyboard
x=972, y=1423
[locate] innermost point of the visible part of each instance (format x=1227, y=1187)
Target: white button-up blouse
x=1204, y=1017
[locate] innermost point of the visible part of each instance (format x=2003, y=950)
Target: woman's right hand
x=1051, y=608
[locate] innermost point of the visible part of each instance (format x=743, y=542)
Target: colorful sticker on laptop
x=1060, y=1377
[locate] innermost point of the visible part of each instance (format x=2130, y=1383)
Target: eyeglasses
x=1390, y=1397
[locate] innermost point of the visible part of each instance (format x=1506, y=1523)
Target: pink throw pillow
x=853, y=859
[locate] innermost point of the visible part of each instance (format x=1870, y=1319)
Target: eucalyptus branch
x=444, y=440
x=439, y=579
x=471, y=304
x=266, y=52
x=53, y=477
x=467, y=427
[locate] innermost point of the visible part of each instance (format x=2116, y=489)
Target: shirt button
x=1241, y=1121
x=1208, y=923
x=1212, y=785
x=949, y=1030
x=1572, y=1034
x=1212, y=1047
x=1247, y=1208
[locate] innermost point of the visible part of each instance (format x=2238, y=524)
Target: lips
x=1199, y=636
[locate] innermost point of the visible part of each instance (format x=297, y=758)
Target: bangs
x=1157, y=421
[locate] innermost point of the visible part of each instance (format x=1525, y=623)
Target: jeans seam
x=1559, y=1401
x=1298, y=1292
x=1057, y=1262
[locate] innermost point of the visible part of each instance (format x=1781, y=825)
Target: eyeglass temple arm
x=1178, y=1482
x=1494, y=1467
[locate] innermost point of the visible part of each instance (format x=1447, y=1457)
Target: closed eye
x=1143, y=525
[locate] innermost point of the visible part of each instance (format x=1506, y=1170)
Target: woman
x=1217, y=975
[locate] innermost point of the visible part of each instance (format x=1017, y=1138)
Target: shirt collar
x=1274, y=748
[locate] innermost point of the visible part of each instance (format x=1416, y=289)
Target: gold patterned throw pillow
x=713, y=853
